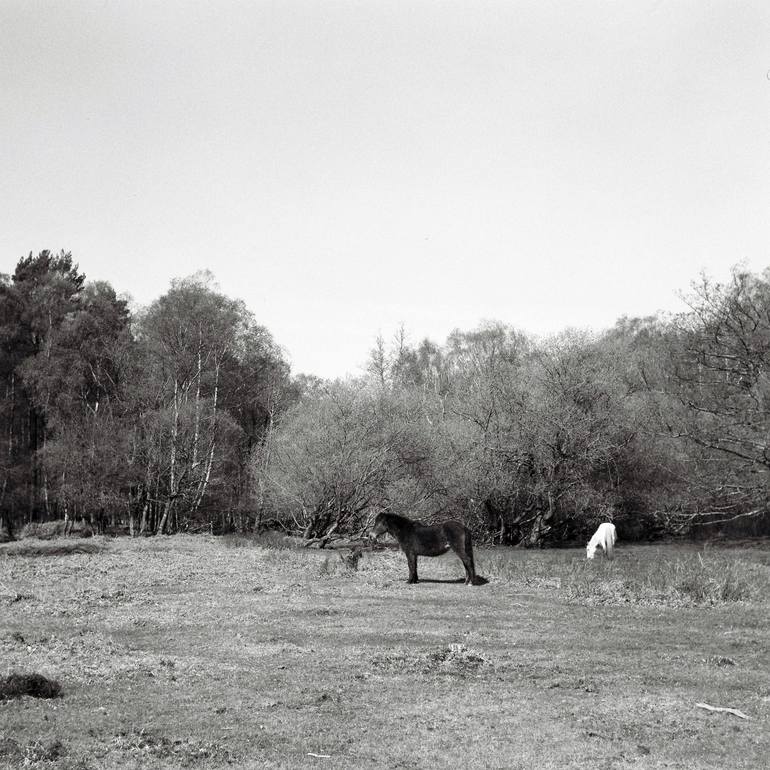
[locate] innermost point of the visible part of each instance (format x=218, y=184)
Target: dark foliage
x=34, y=685
x=183, y=417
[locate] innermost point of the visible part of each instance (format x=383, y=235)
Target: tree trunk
x=203, y=484
x=164, y=518
x=172, y=464
x=143, y=521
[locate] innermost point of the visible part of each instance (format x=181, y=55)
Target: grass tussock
x=52, y=548
x=144, y=745
x=457, y=658
x=34, y=685
x=30, y=754
x=269, y=539
x=690, y=580
x=453, y=659
x=637, y=577
x=340, y=563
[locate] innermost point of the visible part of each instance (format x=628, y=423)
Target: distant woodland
x=184, y=416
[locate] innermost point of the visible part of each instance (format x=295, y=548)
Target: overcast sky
x=345, y=167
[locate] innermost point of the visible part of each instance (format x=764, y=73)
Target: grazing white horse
x=603, y=538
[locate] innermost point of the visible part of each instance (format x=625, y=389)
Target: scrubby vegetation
x=34, y=685
x=184, y=416
x=650, y=576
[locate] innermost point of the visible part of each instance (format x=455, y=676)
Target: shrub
x=35, y=685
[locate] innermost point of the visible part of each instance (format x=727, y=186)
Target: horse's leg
x=464, y=549
x=411, y=559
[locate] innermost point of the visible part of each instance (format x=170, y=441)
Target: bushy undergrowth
x=643, y=576
x=47, y=530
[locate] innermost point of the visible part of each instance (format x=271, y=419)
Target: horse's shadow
x=441, y=580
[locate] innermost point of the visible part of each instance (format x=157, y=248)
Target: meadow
x=203, y=652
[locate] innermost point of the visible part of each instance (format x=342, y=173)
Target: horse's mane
x=396, y=517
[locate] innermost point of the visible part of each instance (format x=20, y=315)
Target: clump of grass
x=530, y=568
x=708, y=581
x=270, y=538
x=9, y=749
x=34, y=685
x=683, y=581
x=648, y=577
x=25, y=755
x=340, y=563
x=456, y=658
x=144, y=744
x=350, y=560
x=50, y=751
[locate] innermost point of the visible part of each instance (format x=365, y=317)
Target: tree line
x=184, y=416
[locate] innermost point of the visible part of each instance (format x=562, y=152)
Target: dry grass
x=195, y=652
x=651, y=575
x=59, y=547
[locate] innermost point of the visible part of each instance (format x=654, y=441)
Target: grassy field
x=210, y=652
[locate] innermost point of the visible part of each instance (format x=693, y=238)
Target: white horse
x=603, y=538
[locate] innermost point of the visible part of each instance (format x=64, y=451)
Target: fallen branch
x=320, y=756
x=721, y=708
x=341, y=543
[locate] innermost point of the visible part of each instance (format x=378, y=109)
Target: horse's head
x=590, y=550
x=379, y=527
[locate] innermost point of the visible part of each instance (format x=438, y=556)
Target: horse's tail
x=609, y=545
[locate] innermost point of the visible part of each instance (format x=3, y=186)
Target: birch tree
x=217, y=380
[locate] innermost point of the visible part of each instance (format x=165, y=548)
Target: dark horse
x=418, y=539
